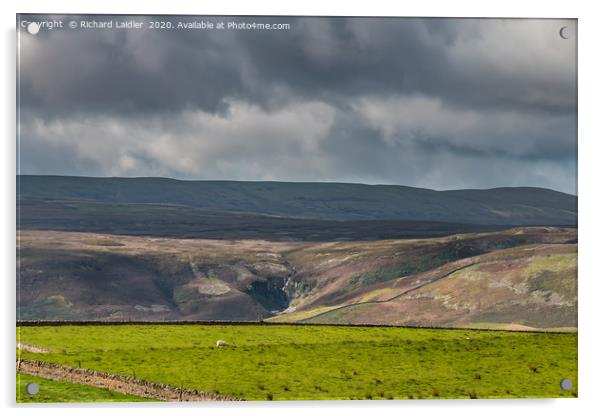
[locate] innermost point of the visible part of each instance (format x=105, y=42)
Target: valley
x=360, y=292
x=520, y=276
x=158, y=249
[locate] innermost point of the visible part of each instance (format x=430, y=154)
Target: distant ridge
x=332, y=201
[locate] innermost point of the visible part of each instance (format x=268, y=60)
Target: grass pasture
x=282, y=362
x=60, y=391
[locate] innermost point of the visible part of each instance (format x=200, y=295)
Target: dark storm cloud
x=118, y=71
x=331, y=58
x=423, y=102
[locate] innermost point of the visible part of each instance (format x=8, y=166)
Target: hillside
x=521, y=277
x=176, y=221
x=163, y=249
x=325, y=201
x=518, y=288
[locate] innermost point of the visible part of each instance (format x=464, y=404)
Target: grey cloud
x=43, y=157
x=464, y=61
x=363, y=154
x=246, y=142
x=426, y=121
x=425, y=102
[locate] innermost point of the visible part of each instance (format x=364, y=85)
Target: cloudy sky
x=436, y=103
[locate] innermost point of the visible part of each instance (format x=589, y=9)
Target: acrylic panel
x=295, y=208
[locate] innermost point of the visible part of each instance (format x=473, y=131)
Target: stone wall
x=115, y=382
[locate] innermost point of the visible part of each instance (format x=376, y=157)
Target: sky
x=434, y=103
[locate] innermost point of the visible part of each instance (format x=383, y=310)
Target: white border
x=590, y=209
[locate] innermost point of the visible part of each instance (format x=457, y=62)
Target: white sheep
x=221, y=343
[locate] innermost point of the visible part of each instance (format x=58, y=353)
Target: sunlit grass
x=59, y=391
x=264, y=362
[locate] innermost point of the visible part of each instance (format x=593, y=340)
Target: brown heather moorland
x=519, y=278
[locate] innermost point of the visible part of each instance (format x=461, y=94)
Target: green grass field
x=58, y=391
x=265, y=362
